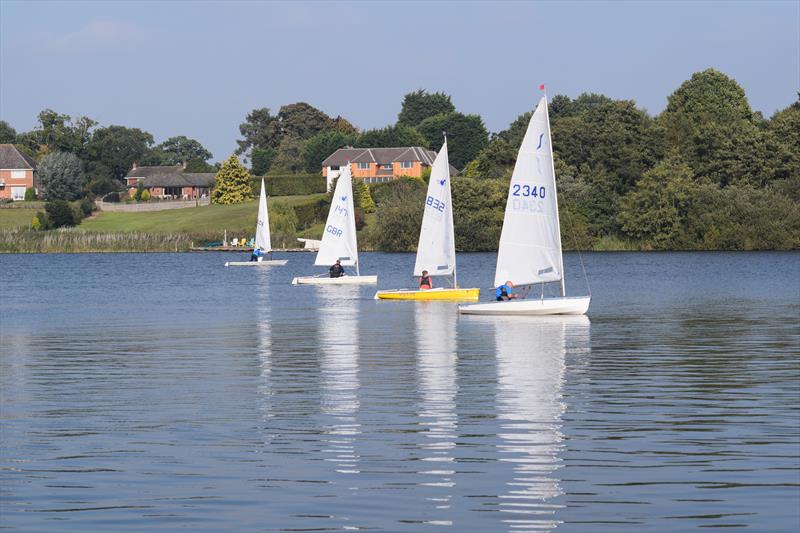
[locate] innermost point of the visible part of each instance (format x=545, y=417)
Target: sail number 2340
x=527, y=190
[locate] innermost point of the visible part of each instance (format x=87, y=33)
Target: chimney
x=183, y=165
x=134, y=166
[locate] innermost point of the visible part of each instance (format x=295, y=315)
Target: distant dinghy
x=262, y=237
x=436, y=252
x=339, y=240
x=530, y=243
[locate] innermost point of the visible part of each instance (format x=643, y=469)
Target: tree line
x=706, y=173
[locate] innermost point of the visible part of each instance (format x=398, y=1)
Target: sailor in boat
x=504, y=291
x=425, y=282
x=256, y=255
x=337, y=270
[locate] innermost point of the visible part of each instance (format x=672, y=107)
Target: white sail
x=339, y=237
x=530, y=243
x=262, y=223
x=436, y=251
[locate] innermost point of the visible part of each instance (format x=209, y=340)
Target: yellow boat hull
x=430, y=294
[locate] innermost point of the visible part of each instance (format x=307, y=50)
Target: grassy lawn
x=208, y=219
x=17, y=217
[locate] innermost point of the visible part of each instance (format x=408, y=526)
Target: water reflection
x=264, y=329
x=530, y=376
x=436, y=359
x=338, y=330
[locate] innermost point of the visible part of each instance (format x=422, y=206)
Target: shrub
x=283, y=225
x=145, y=196
x=87, y=206
x=30, y=194
x=311, y=213
x=291, y=184
x=39, y=221
x=59, y=214
x=362, y=196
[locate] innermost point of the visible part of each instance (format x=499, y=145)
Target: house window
x=387, y=167
x=406, y=164
x=363, y=166
x=17, y=193
x=18, y=174
x=334, y=167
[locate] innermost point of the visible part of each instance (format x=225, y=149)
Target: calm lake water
x=162, y=392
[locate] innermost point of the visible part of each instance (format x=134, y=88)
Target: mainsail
x=530, y=243
x=436, y=251
x=339, y=237
x=262, y=223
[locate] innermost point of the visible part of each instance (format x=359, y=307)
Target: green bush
x=311, y=213
x=59, y=214
x=145, y=197
x=30, y=194
x=283, y=225
x=39, y=221
x=87, y=206
x=291, y=184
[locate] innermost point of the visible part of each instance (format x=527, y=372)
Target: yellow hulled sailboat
x=436, y=252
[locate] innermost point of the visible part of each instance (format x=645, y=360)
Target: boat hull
x=547, y=306
x=274, y=262
x=430, y=294
x=344, y=280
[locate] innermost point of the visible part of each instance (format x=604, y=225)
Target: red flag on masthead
x=541, y=87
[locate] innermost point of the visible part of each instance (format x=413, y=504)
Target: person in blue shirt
x=257, y=253
x=503, y=292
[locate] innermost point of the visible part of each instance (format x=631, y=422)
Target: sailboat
x=530, y=243
x=262, y=236
x=339, y=239
x=436, y=252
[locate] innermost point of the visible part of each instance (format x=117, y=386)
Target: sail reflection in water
x=435, y=324
x=264, y=329
x=530, y=372
x=338, y=330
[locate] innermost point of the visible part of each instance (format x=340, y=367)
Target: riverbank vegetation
x=707, y=173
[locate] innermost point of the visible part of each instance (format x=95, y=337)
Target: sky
x=197, y=68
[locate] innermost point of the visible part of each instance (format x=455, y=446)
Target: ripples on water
x=164, y=392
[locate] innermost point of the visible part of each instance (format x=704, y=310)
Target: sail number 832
x=527, y=190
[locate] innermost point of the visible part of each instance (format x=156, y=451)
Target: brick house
x=377, y=165
x=171, y=182
x=17, y=173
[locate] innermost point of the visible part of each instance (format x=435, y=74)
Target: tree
x=59, y=214
x=261, y=160
x=322, y=145
x=362, y=196
x=260, y=130
x=478, y=208
x=177, y=150
x=232, y=184
x=58, y=132
x=419, y=105
x=391, y=136
x=282, y=224
x=400, y=214
x=655, y=210
x=61, y=176
x=8, y=135
x=116, y=148
x=496, y=160
x=467, y=132
x=302, y=121
x=289, y=156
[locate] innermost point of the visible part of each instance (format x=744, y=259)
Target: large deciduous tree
x=232, y=184
x=260, y=130
x=391, y=136
x=8, y=135
x=176, y=150
x=320, y=146
x=303, y=121
x=61, y=176
x=419, y=105
x=114, y=149
x=467, y=132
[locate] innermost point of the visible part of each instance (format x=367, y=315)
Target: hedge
x=291, y=184
x=311, y=213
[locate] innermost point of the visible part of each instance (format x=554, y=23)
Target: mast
x=555, y=194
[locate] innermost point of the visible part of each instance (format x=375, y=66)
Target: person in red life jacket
x=425, y=282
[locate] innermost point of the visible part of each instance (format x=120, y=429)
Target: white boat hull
x=274, y=262
x=344, y=280
x=547, y=306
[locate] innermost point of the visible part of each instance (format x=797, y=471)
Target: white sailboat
x=262, y=236
x=436, y=251
x=339, y=239
x=530, y=243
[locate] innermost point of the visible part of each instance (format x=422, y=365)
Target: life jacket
x=425, y=282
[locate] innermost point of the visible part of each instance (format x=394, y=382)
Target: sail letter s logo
x=541, y=136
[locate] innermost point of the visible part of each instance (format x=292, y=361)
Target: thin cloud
x=100, y=35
